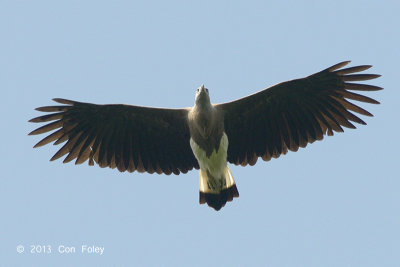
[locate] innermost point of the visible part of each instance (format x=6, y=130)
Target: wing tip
x=34, y=132
x=63, y=101
x=338, y=65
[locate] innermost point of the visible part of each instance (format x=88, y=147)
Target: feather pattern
x=266, y=124
x=130, y=138
x=293, y=114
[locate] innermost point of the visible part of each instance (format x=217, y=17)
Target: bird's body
x=209, y=144
x=207, y=136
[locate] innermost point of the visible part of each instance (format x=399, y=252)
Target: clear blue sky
x=335, y=203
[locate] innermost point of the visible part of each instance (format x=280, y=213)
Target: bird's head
x=202, y=96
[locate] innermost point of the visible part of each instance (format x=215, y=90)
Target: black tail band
x=217, y=201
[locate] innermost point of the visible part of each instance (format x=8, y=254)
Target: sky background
x=335, y=203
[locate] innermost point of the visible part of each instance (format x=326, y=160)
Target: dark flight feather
x=295, y=113
x=266, y=124
x=119, y=136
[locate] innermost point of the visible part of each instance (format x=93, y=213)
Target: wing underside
x=292, y=114
x=129, y=138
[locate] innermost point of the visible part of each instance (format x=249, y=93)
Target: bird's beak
x=202, y=88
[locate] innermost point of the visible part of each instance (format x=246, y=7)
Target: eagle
x=207, y=136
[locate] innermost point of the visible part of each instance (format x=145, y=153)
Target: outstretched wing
x=119, y=136
x=292, y=114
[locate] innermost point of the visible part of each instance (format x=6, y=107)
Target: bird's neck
x=202, y=104
x=203, y=107
x=202, y=117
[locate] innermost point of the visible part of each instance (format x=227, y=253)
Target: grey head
x=202, y=96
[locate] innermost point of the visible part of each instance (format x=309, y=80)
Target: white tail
x=217, y=197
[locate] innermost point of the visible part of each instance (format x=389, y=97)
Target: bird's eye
x=197, y=89
x=206, y=90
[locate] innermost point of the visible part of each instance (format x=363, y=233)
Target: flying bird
x=207, y=136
